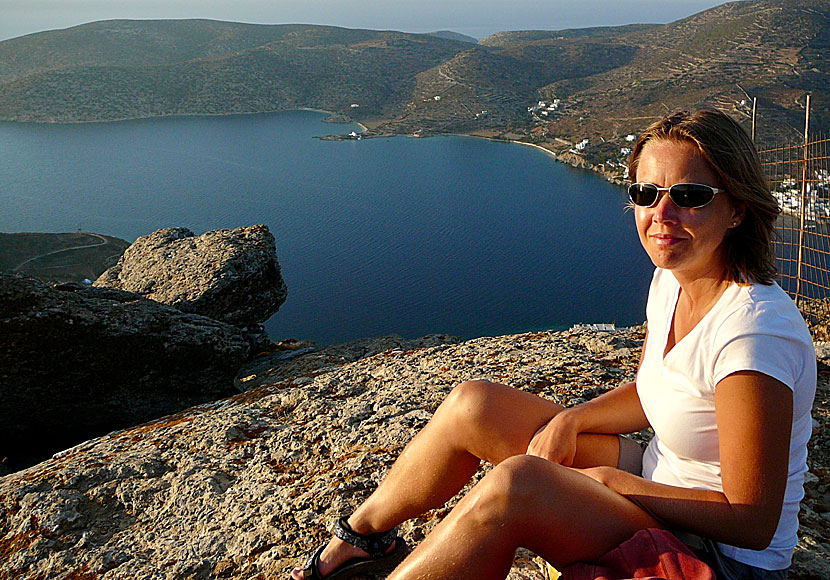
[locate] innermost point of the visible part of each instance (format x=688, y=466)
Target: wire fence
x=799, y=177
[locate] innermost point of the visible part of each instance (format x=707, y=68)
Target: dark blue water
x=409, y=236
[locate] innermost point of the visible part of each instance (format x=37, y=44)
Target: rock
x=246, y=487
x=229, y=275
x=78, y=361
x=822, y=350
x=289, y=361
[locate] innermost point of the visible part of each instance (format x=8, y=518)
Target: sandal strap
x=311, y=569
x=375, y=545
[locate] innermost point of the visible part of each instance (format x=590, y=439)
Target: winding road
x=102, y=241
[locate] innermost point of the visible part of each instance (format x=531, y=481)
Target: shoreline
x=536, y=146
x=173, y=115
x=559, y=158
x=364, y=130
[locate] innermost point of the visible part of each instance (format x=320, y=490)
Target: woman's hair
x=730, y=153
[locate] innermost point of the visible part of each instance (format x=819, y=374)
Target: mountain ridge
x=608, y=82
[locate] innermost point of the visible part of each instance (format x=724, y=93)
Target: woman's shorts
x=631, y=456
x=725, y=568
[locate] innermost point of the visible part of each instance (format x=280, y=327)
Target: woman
x=726, y=379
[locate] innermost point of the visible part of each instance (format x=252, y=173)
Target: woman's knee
x=469, y=402
x=492, y=421
x=510, y=490
x=520, y=477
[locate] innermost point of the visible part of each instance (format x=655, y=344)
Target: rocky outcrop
x=243, y=488
x=299, y=358
x=228, y=275
x=77, y=362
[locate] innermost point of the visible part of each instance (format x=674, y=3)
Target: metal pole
x=804, y=176
x=754, y=105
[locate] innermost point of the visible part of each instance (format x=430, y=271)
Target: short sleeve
x=765, y=344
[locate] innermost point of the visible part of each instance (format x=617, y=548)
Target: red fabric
x=649, y=554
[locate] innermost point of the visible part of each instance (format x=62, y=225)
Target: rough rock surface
x=228, y=275
x=300, y=358
x=245, y=487
x=77, y=362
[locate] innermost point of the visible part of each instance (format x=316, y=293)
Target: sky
x=474, y=18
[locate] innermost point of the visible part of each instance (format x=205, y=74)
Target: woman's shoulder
x=768, y=299
x=761, y=329
x=765, y=309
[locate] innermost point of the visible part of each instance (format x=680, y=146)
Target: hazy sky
x=475, y=18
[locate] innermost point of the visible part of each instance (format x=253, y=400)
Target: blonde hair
x=732, y=156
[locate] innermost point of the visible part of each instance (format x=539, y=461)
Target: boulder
x=228, y=275
x=78, y=362
x=246, y=487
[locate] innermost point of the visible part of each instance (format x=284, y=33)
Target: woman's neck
x=697, y=297
x=702, y=292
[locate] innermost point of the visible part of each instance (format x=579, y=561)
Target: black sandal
x=376, y=545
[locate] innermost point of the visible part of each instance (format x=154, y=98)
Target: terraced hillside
x=774, y=50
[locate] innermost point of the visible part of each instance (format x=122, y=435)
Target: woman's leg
x=478, y=421
x=558, y=513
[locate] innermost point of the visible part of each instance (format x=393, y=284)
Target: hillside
x=454, y=36
x=57, y=258
x=607, y=82
x=120, y=69
x=772, y=49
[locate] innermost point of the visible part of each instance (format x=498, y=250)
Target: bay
x=411, y=236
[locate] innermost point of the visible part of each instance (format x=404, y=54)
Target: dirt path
x=102, y=242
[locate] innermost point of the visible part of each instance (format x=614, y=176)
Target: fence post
x=803, y=210
x=754, y=108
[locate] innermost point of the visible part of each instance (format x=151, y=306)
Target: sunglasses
x=685, y=195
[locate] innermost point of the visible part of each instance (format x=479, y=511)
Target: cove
x=410, y=236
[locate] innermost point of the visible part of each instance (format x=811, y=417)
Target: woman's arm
x=754, y=417
x=615, y=412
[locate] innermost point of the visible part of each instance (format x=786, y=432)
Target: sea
x=407, y=236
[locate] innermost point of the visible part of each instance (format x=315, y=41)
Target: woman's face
x=686, y=241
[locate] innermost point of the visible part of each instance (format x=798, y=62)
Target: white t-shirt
x=751, y=327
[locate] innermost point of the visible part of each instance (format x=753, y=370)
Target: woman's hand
x=555, y=440
x=617, y=411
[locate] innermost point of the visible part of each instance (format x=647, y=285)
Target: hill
x=57, y=258
x=606, y=82
x=119, y=69
x=771, y=49
x=454, y=36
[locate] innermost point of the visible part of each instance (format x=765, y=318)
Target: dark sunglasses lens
x=691, y=195
x=642, y=194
